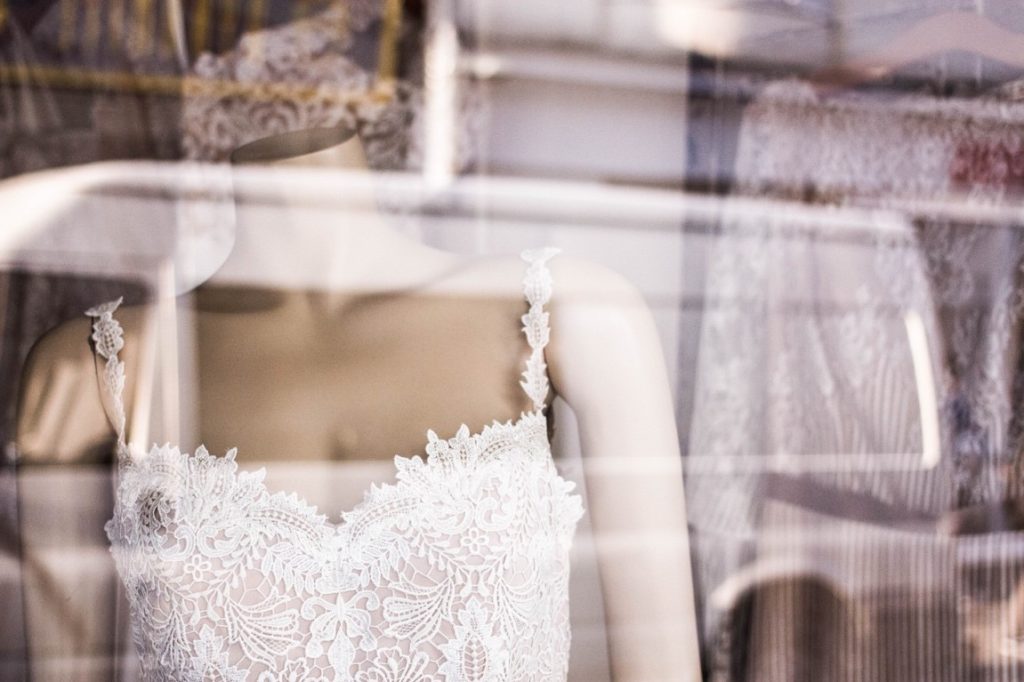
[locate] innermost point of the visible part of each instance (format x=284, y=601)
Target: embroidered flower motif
x=475, y=654
x=474, y=540
x=297, y=670
x=210, y=660
x=197, y=567
x=107, y=333
x=393, y=665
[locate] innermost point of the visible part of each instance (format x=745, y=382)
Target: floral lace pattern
x=458, y=571
x=300, y=76
x=800, y=330
x=804, y=346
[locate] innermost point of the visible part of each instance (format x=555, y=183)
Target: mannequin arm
x=606, y=362
x=64, y=445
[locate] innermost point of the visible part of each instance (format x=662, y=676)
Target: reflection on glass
x=788, y=283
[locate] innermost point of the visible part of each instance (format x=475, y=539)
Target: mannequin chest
x=310, y=379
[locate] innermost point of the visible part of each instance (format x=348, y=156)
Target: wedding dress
x=805, y=352
x=457, y=571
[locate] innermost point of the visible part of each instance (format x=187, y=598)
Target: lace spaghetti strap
x=537, y=287
x=108, y=340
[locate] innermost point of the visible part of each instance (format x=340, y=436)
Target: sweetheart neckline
x=470, y=534
x=430, y=456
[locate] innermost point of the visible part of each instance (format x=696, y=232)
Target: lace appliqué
x=456, y=571
x=537, y=289
x=108, y=340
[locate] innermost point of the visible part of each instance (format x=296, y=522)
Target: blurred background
x=819, y=199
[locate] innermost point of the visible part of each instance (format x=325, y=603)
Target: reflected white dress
x=805, y=352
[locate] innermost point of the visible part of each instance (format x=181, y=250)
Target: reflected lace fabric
x=457, y=571
x=805, y=351
x=303, y=75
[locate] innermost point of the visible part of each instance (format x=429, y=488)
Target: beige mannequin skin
x=385, y=338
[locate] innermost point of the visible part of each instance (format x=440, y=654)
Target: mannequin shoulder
x=60, y=414
x=600, y=322
x=596, y=309
x=604, y=346
x=67, y=344
x=581, y=284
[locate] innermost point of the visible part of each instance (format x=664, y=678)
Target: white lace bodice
x=457, y=571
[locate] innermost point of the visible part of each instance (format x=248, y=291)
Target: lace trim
x=537, y=287
x=108, y=340
x=462, y=564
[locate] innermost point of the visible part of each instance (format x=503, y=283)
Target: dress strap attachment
x=108, y=340
x=537, y=289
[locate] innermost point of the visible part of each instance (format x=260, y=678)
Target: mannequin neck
x=286, y=162
x=338, y=146
x=307, y=215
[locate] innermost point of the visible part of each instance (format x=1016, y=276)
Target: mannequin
x=380, y=338
x=319, y=306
